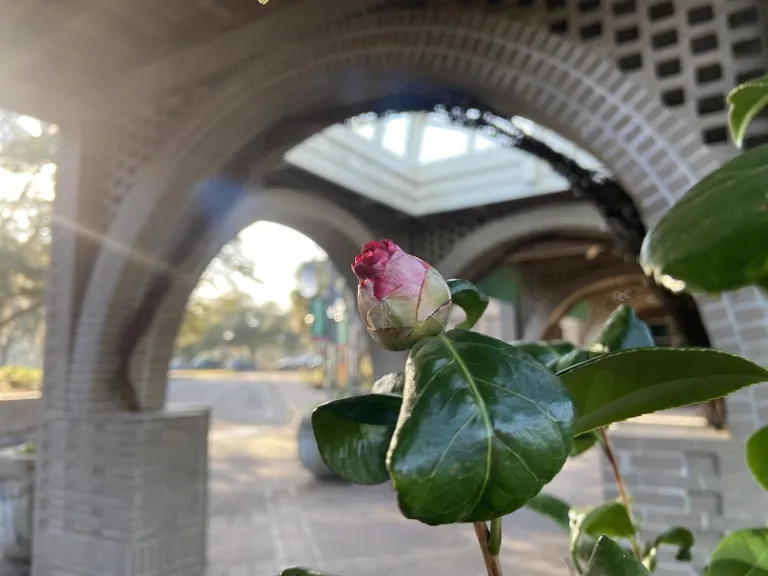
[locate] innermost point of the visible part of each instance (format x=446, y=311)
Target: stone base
x=685, y=475
x=309, y=455
x=123, y=494
x=17, y=482
x=8, y=568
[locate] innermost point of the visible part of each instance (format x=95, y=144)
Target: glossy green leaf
x=624, y=330
x=544, y=351
x=552, y=507
x=713, y=239
x=741, y=553
x=680, y=537
x=392, y=383
x=483, y=428
x=582, y=443
x=573, y=358
x=607, y=519
x=629, y=383
x=353, y=435
x=469, y=298
x=746, y=101
x=587, y=524
x=757, y=456
x=558, y=511
x=299, y=571
x=610, y=559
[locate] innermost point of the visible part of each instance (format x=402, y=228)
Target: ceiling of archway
x=420, y=163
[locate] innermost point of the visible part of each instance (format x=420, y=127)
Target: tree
x=26, y=156
x=232, y=323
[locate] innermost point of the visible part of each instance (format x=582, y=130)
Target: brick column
x=117, y=493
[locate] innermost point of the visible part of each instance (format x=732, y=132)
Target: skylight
x=422, y=163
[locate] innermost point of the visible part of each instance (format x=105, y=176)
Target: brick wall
x=19, y=416
x=684, y=475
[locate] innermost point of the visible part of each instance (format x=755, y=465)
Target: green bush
x=20, y=378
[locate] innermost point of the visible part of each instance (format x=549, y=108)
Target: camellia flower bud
x=400, y=297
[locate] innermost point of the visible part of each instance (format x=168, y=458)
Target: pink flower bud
x=400, y=297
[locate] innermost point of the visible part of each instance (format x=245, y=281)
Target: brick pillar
x=117, y=493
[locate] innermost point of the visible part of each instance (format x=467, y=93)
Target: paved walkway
x=267, y=512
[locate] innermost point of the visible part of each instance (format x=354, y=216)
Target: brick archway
x=512, y=66
x=337, y=231
x=578, y=217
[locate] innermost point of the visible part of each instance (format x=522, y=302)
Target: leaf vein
x=483, y=412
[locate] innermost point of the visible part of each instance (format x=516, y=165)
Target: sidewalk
x=267, y=513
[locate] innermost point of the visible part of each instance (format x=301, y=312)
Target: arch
x=586, y=288
x=337, y=231
x=577, y=217
x=513, y=67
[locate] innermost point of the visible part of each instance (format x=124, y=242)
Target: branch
x=19, y=313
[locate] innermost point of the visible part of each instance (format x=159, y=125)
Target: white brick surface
x=125, y=494
x=684, y=476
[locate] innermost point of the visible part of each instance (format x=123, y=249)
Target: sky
x=275, y=268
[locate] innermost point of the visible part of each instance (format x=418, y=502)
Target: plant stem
x=492, y=566
x=620, y=486
x=494, y=539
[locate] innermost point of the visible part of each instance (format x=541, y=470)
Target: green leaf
x=299, y=571
x=680, y=537
x=483, y=428
x=746, y=101
x=545, y=352
x=610, y=559
x=469, y=298
x=582, y=443
x=741, y=553
x=586, y=524
x=757, y=456
x=629, y=383
x=558, y=511
x=624, y=330
x=353, y=435
x=607, y=519
x=552, y=507
x=392, y=383
x=713, y=239
x=573, y=358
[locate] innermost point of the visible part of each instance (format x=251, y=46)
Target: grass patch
x=20, y=378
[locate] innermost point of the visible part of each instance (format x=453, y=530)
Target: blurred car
x=177, y=364
x=241, y=365
x=206, y=364
x=287, y=363
x=313, y=361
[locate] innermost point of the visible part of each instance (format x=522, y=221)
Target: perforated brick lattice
x=138, y=137
x=433, y=239
x=695, y=52
x=692, y=52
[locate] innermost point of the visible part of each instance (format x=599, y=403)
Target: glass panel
x=439, y=143
x=364, y=125
x=365, y=130
x=395, y=137
x=484, y=143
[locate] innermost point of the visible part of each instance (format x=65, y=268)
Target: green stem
x=575, y=560
x=492, y=565
x=620, y=486
x=494, y=538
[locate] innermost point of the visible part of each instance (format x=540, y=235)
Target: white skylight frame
x=362, y=156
